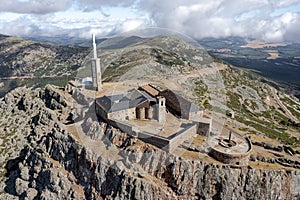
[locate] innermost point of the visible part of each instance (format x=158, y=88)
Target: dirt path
x=287, y=111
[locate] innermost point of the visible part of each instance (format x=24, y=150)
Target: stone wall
x=167, y=144
x=203, y=128
x=186, y=134
x=236, y=159
x=126, y=128
x=127, y=114
x=117, y=119
x=160, y=142
x=100, y=112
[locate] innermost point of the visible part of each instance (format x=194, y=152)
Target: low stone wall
x=203, y=128
x=186, y=134
x=232, y=159
x=236, y=159
x=160, y=142
x=167, y=144
x=127, y=128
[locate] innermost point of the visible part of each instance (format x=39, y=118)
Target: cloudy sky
x=270, y=20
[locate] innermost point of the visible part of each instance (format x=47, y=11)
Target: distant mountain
x=59, y=40
x=277, y=61
x=3, y=36
x=22, y=61
x=115, y=42
x=270, y=60
x=119, y=42
x=25, y=57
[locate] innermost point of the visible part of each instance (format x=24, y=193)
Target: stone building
x=181, y=106
x=152, y=115
x=135, y=104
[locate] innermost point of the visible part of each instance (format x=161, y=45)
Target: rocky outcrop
x=51, y=163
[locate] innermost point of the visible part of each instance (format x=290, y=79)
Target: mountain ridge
x=23, y=61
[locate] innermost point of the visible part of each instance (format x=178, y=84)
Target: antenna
x=94, y=46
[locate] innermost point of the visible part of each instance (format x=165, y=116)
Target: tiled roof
x=118, y=102
x=150, y=90
x=179, y=103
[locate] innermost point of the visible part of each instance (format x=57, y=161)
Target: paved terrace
x=171, y=126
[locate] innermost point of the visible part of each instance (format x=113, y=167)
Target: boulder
x=21, y=186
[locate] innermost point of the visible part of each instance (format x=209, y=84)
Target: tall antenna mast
x=94, y=46
x=96, y=69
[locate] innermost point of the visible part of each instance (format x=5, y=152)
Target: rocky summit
x=42, y=159
x=53, y=145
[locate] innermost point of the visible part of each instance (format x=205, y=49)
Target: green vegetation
x=251, y=53
x=115, y=70
x=200, y=88
x=34, y=82
x=207, y=105
x=291, y=106
x=42, y=82
x=233, y=101
x=250, y=103
x=270, y=122
x=270, y=131
x=166, y=57
x=201, y=91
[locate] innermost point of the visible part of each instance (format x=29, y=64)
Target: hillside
x=53, y=146
x=27, y=60
x=277, y=61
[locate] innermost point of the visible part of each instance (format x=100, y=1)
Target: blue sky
x=276, y=20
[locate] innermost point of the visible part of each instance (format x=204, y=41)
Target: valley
x=278, y=62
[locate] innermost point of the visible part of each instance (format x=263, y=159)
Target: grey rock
x=21, y=186
x=31, y=193
x=55, y=162
x=93, y=129
x=79, y=97
x=120, y=167
x=24, y=173
x=9, y=98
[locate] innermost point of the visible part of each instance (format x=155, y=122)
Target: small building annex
x=181, y=106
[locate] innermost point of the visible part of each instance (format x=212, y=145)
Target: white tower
x=161, y=109
x=96, y=69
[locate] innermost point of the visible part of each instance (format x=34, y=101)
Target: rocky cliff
x=42, y=158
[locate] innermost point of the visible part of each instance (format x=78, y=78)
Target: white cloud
x=285, y=3
x=130, y=25
x=220, y=18
x=34, y=6
x=89, y=5
x=263, y=19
